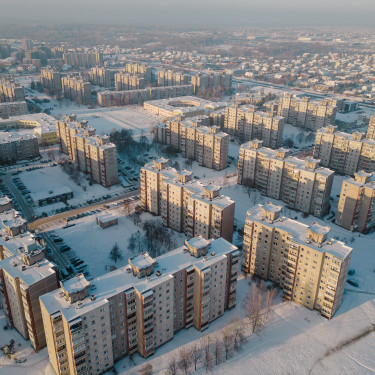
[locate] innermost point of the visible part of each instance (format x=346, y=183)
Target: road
x=43, y=223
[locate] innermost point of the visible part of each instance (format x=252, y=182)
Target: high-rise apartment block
x=301, y=184
x=92, y=154
x=83, y=59
x=51, y=80
x=112, y=98
x=25, y=275
x=140, y=70
x=310, y=267
x=207, y=145
x=26, y=44
x=11, y=91
x=126, y=81
x=9, y=109
x=76, y=89
x=247, y=123
x=102, y=76
x=356, y=208
x=343, y=152
x=171, y=78
x=211, y=81
x=371, y=129
x=139, y=307
x=306, y=113
x=186, y=205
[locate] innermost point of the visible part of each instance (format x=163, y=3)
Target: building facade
x=12, y=109
x=310, y=267
x=11, y=91
x=101, y=76
x=17, y=146
x=125, y=81
x=343, y=152
x=306, y=113
x=51, y=80
x=208, y=145
x=76, y=89
x=138, y=308
x=92, y=154
x=301, y=184
x=186, y=205
x=356, y=208
x=248, y=124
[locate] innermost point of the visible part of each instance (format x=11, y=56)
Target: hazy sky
x=197, y=12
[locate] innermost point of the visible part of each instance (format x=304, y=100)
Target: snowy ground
x=299, y=136
x=92, y=244
x=49, y=178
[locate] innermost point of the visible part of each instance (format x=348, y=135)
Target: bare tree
x=196, y=353
x=207, y=356
x=253, y=306
x=217, y=349
x=270, y=301
x=228, y=338
x=146, y=369
x=184, y=360
x=172, y=367
x=239, y=337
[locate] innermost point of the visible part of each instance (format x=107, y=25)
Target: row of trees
x=211, y=350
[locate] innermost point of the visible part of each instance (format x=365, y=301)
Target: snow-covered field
x=92, y=244
x=299, y=136
x=49, y=178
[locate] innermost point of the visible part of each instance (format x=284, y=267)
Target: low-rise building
x=16, y=145
x=8, y=109
x=139, y=307
x=310, y=267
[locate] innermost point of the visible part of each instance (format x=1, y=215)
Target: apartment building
x=310, y=267
x=136, y=309
x=207, y=145
x=356, y=206
x=186, y=205
x=247, y=123
x=11, y=91
x=126, y=81
x=171, y=78
x=343, y=152
x=83, y=59
x=24, y=276
x=204, y=81
x=115, y=98
x=370, y=134
x=306, y=113
x=301, y=184
x=8, y=109
x=51, y=80
x=92, y=154
x=140, y=70
x=103, y=77
x=17, y=146
x=76, y=89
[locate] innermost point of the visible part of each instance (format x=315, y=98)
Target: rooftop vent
x=213, y=253
x=92, y=297
x=158, y=273
x=61, y=294
x=23, y=268
x=204, y=259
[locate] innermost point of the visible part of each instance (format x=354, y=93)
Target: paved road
x=41, y=224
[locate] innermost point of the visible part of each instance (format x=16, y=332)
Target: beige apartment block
x=92, y=154
x=12, y=109
x=140, y=70
x=301, y=184
x=310, y=267
x=208, y=145
x=171, y=78
x=343, y=152
x=25, y=275
x=84, y=59
x=76, y=89
x=204, y=81
x=356, y=208
x=247, y=123
x=370, y=134
x=186, y=205
x=101, y=76
x=51, y=80
x=306, y=113
x=139, y=307
x=11, y=91
x=125, y=81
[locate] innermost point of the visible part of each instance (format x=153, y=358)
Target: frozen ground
x=299, y=136
x=49, y=178
x=92, y=244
